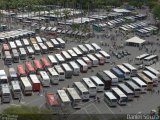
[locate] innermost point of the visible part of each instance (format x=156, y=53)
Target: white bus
x=87, y=61
x=18, y=43
x=121, y=97
x=140, y=83
x=82, y=90
x=52, y=60
x=12, y=45
x=100, y=58
x=112, y=77
x=90, y=86
x=83, y=65
x=74, y=97
x=55, y=43
x=44, y=48
x=22, y=53
x=36, y=49
x=151, y=77
x=65, y=101
x=98, y=82
x=59, y=58
x=90, y=48
x=30, y=51
x=61, y=42
x=16, y=90
x=126, y=90
x=75, y=67
x=68, y=70
x=7, y=58
x=15, y=55
x=134, y=88
x=39, y=40
x=12, y=74
x=96, y=47
x=124, y=70
x=139, y=59
x=72, y=54
x=44, y=78
x=53, y=75
x=66, y=55
x=5, y=93
x=77, y=51
x=49, y=46
x=110, y=99
x=106, y=56
x=83, y=49
x=150, y=60
x=94, y=60
x=132, y=69
x=153, y=71
x=60, y=71
x=26, y=86
x=25, y=42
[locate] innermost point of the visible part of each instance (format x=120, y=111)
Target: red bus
x=45, y=62
x=29, y=68
x=5, y=47
x=36, y=85
x=37, y=65
x=21, y=71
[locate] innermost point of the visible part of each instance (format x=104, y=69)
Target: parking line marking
x=108, y=108
x=97, y=108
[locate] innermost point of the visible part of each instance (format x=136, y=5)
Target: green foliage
x=156, y=11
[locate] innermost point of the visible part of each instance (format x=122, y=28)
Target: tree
x=156, y=11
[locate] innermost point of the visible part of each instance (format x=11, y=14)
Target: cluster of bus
x=146, y=59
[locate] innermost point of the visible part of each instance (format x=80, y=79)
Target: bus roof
x=88, y=82
x=52, y=99
x=63, y=96
x=110, y=95
x=34, y=78
x=142, y=56
x=96, y=79
x=81, y=86
x=15, y=85
x=152, y=70
x=150, y=74
x=139, y=81
x=129, y=66
x=25, y=81
x=118, y=91
x=123, y=86
x=73, y=93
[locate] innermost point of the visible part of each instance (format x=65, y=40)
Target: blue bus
x=118, y=73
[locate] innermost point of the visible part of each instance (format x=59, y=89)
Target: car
x=119, y=56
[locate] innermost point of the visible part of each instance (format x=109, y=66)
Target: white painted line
x=97, y=108
x=108, y=108
x=86, y=111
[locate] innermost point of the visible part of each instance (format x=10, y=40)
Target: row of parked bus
x=146, y=59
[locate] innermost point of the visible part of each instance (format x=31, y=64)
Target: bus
x=60, y=71
x=22, y=54
x=87, y=61
x=18, y=43
x=150, y=60
x=66, y=55
x=36, y=85
x=83, y=65
x=83, y=49
x=139, y=59
x=37, y=49
x=3, y=77
x=16, y=89
x=49, y=46
x=146, y=80
x=12, y=74
x=21, y=70
x=134, y=88
x=44, y=78
x=30, y=51
x=52, y=60
x=12, y=45
x=153, y=71
x=53, y=75
x=77, y=51
x=121, y=97
x=5, y=93
x=110, y=99
x=26, y=86
x=15, y=55
x=90, y=48
x=132, y=69
x=113, y=78
x=68, y=70
x=59, y=58
x=140, y=83
x=29, y=68
x=37, y=65
x=64, y=99
x=82, y=90
x=44, y=49
x=151, y=77
x=61, y=42
x=33, y=40
x=106, y=56
x=74, y=97
x=72, y=54
x=100, y=58
x=75, y=67
x=45, y=62
x=7, y=58
x=5, y=47
x=124, y=70
x=126, y=90
x=90, y=86
x=96, y=47
x=118, y=73
x=55, y=43
x=98, y=82
x=94, y=60
x=25, y=42
x=39, y=40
